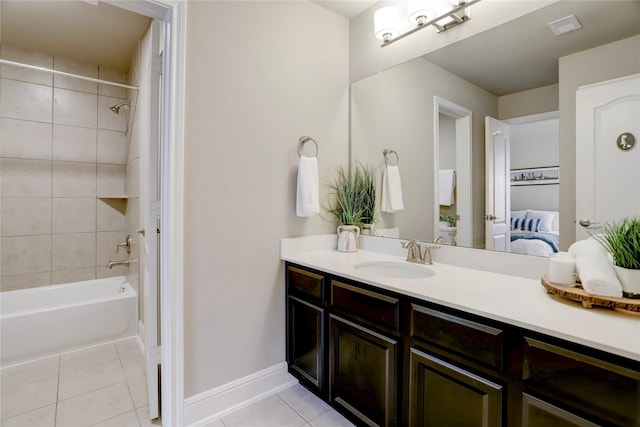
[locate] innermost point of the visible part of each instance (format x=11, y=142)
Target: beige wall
x=251, y=92
x=526, y=103
x=63, y=162
x=394, y=109
x=610, y=61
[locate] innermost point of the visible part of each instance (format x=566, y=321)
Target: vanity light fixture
x=441, y=14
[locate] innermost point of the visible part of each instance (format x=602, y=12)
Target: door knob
x=586, y=223
x=490, y=217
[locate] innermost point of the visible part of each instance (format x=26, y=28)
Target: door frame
x=464, y=172
x=173, y=13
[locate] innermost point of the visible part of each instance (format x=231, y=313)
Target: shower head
x=116, y=108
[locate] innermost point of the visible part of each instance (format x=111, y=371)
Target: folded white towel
x=446, y=184
x=391, y=198
x=308, y=193
x=595, y=268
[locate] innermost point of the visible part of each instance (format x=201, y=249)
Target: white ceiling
x=346, y=8
x=523, y=54
x=103, y=35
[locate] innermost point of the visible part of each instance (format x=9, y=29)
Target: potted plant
x=354, y=204
x=447, y=220
x=622, y=240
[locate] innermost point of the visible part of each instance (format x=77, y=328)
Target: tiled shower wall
x=63, y=159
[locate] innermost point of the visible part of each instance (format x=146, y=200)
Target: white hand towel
x=391, y=198
x=446, y=184
x=308, y=193
x=595, y=268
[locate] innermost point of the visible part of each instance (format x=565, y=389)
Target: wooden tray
x=623, y=305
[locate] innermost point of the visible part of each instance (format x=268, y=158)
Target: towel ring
x=302, y=141
x=386, y=153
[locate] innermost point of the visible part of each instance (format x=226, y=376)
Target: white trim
x=173, y=13
x=171, y=219
x=220, y=401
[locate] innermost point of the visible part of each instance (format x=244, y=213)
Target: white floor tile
x=216, y=423
x=143, y=418
x=26, y=398
x=43, y=417
x=129, y=419
x=133, y=363
x=94, y=407
x=89, y=379
x=138, y=389
x=304, y=402
x=84, y=358
x=330, y=418
x=29, y=372
x=271, y=411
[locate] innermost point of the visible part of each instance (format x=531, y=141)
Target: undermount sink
x=398, y=270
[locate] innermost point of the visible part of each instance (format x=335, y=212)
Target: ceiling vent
x=564, y=25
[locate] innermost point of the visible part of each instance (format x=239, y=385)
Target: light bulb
x=386, y=23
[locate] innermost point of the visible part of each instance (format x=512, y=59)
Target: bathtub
x=49, y=320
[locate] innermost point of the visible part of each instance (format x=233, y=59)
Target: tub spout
x=111, y=264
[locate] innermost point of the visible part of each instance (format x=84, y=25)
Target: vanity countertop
x=510, y=299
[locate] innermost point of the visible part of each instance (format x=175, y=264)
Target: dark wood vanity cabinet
x=387, y=359
x=306, y=328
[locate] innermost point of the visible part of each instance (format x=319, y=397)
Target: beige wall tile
x=25, y=178
x=25, y=139
x=25, y=254
x=71, y=179
x=132, y=183
x=75, y=67
x=29, y=57
x=74, y=144
x=103, y=272
x=25, y=101
x=75, y=275
x=74, y=108
x=73, y=215
x=111, y=180
x=22, y=216
x=24, y=281
x=115, y=76
x=112, y=147
x=109, y=120
x=111, y=214
x=70, y=251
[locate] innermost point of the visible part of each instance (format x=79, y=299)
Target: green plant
x=622, y=240
x=450, y=220
x=354, y=195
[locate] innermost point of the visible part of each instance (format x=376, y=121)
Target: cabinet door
x=538, y=413
x=442, y=394
x=363, y=375
x=305, y=343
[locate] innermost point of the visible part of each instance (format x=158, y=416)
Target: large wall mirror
x=431, y=111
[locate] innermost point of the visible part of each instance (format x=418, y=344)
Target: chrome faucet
x=112, y=264
x=126, y=244
x=415, y=253
x=439, y=239
x=413, y=250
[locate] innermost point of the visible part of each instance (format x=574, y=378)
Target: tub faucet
x=111, y=264
x=126, y=244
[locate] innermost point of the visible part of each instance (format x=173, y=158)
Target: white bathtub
x=55, y=319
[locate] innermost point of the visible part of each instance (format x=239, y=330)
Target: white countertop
x=510, y=299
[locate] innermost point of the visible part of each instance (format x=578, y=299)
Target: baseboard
x=220, y=401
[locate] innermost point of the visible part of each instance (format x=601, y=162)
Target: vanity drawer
x=469, y=339
x=305, y=283
x=368, y=305
x=582, y=383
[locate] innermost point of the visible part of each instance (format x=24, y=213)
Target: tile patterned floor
x=292, y=407
x=101, y=386
x=105, y=386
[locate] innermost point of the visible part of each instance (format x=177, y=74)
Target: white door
x=149, y=209
x=497, y=185
x=607, y=163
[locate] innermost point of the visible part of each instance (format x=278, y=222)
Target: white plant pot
x=630, y=281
